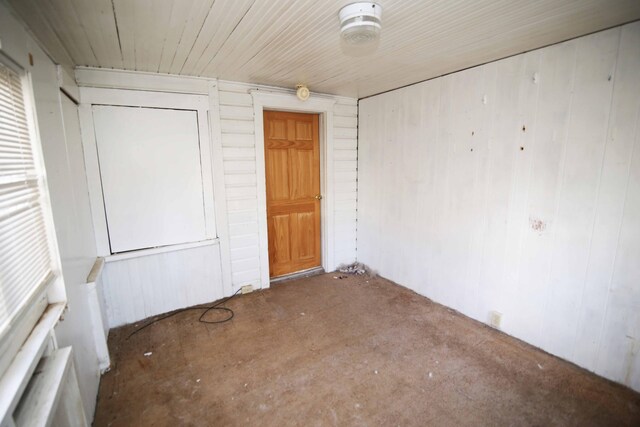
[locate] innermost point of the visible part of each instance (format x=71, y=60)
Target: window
x=25, y=256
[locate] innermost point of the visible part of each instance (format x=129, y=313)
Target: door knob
x=319, y=196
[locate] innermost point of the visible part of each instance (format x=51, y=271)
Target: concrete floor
x=354, y=351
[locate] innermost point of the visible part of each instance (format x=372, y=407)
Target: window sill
x=19, y=372
x=160, y=250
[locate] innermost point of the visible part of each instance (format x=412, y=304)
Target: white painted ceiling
x=283, y=42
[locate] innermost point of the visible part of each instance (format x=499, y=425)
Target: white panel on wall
x=513, y=187
x=151, y=176
x=137, y=288
x=615, y=275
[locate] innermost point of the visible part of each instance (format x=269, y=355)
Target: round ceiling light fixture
x=360, y=23
x=302, y=92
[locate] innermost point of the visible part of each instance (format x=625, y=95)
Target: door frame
x=317, y=104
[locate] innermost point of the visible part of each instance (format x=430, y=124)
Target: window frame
x=91, y=96
x=51, y=290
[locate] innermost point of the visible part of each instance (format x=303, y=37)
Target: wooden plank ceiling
x=283, y=42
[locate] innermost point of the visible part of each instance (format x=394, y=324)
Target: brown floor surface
x=355, y=351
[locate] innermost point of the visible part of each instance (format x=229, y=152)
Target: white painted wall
x=515, y=186
x=137, y=288
x=68, y=193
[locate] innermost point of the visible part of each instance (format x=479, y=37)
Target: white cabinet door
x=151, y=176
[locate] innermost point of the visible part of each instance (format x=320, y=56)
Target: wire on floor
x=201, y=319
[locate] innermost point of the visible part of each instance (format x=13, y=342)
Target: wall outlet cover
x=495, y=319
x=247, y=289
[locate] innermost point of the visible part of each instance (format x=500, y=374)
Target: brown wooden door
x=292, y=163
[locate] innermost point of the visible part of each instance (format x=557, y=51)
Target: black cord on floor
x=216, y=306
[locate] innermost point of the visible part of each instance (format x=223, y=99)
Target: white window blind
x=25, y=260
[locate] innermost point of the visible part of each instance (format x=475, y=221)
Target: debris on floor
x=357, y=268
x=147, y=354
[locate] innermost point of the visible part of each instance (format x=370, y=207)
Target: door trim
x=289, y=102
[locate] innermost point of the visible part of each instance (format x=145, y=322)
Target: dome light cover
x=302, y=92
x=360, y=23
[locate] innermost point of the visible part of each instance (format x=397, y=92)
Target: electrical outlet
x=495, y=319
x=246, y=289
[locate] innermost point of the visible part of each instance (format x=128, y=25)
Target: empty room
x=334, y=213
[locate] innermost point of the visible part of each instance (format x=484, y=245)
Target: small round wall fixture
x=302, y=92
x=360, y=23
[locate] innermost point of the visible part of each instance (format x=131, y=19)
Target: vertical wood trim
x=206, y=164
x=70, y=410
x=93, y=180
x=327, y=212
x=98, y=316
x=219, y=191
x=261, y=184
x=98, y=327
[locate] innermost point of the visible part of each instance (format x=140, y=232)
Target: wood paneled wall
x=283, y=42
x=515, y=187
x=137, y=288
